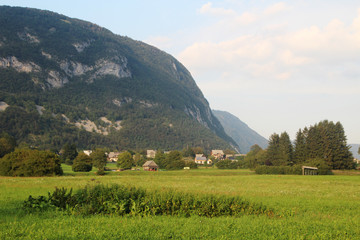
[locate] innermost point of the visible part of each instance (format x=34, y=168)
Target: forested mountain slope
x=244, y=136
x=66, y=80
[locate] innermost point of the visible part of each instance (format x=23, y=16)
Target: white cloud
x=209, y=9
x=276, y=8
x=307, y=53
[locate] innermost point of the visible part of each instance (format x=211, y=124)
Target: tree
x=252, y=158
x=69, y=153
x=30, y=163
x=125, y=160
x=327, y=141
x=98, y=157
x=160, y=158
x=139, y=159
x=227, y=164
x=300, y=151
x=286, y=148
x=273, y=155
x=229, y=151
x=174, y=161
x=82, y=163
x=7, y=144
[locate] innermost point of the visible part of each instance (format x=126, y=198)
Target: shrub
x=191, y=164
x=82, y=163
x=29, y=163
x=124, y=200
x=228, y=164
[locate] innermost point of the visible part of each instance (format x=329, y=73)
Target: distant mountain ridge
x=66, y=80
x=244, y=136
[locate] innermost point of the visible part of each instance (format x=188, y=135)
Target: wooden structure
x=150, y=166
x=309, y=170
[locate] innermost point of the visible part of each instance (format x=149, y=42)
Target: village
x=199, y=159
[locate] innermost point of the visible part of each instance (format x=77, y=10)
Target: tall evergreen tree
x=273, y=155
x=286, y=148
x=342, y=157
x=300, y=151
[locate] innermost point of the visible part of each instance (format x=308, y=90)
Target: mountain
x=66, y=80
x=244, y=136
x=354, y=149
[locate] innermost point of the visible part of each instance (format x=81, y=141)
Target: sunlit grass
x=312, y=207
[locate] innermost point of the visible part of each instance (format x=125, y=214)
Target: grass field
x=309, y=207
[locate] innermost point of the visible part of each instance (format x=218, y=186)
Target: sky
x=276, y=65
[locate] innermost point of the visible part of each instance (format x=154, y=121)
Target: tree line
x=324, y=142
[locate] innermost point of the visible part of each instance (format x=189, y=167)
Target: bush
x=82, y=163
x=228, y=164
x=124, y=200
x=191, y=165
x=287, y=170
x=30, y=163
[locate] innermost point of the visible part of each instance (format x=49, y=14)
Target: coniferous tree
x=286, y=149
x=342, y=157
x=300, y=151
x=273, y=155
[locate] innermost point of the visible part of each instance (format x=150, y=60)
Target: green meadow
x=307, y=207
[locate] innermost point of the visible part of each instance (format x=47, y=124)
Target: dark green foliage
x=99, y=158
x=288, y=170
x=69, y=153
x=82, y=163
x=326, y=141
x=286, y=148
x=60, y=199
x=125, y=160
x=228, y=164
x=121, y=200
x=160, y=158
x=30, y=163
x=174, y=161
x=191, y=165
x=274, y=156
x=7, y=144
x=256, y=156
x=323, y=167
x=300, y=151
